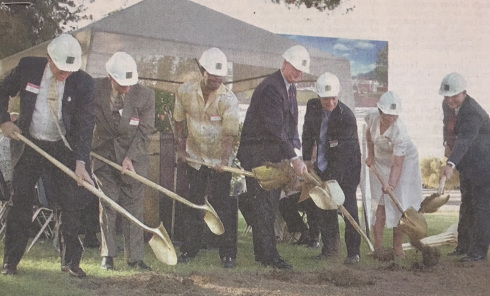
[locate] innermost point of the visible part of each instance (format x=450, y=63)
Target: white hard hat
x=452, y=84
x=390, y=103
x=66, y=53
x=299, y=57
x=214, y=62
x=122, y=68
x=327, y=85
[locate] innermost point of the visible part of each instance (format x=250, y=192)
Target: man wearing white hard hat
x=270, y=134
x=470, y=155
x=331, y=126
x=125, y=120
x=396, y=157
x=56, y=113
x=210, y=111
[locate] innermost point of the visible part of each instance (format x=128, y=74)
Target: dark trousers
x=264, y=238
x=466, y=216
x=329, y=226
x=480, y=233
x=224, y=205
x=25, y=175
x=290, y=208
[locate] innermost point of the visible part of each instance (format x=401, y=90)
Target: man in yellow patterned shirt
x=210, y=111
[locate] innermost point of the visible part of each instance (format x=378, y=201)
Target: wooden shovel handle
x=442, y=184
x=390, y=192
x=225, y=168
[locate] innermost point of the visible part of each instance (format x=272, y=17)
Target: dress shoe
x=91, y=241
x=185, y=258
x=9, y=269
x=76, y=272
x=278, y=264
x=472, y=258
x=352, y=260
x=107, y=263
x=457, y=252
x=228, y=262
x=140, y=264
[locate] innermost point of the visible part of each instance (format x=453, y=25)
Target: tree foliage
x=381, y=70
x=318, y=4
x=24, y=26
x=431, y=169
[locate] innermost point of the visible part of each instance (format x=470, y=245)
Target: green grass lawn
x=39, y=270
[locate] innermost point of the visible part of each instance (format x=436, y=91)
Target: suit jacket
x=131, y=138
x=77, y=105
x=342, y=149
x=270, y=124
x=471, y=151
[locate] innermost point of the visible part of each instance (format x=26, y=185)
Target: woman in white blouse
x=396, y=158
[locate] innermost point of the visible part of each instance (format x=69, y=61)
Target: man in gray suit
x=125, y=119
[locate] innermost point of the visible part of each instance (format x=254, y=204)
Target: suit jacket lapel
x=106, y=103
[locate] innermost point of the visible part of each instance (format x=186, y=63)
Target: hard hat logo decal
x=218, y=66
x=70, y=60
x=129, y=75
x=393, y=107
x=447, y=87
x=304, y=63
x=328, y=88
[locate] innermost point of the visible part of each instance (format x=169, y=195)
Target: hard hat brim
x=67, y=67
x=126, y=82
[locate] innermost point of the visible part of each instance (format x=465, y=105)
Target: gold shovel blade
x=335, y=192
x=413, y=224
x=322, y=198
x=433, y=202
x=212, y=220
x=162, y=246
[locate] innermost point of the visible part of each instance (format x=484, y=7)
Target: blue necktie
x=322, y=145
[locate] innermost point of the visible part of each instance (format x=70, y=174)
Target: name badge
x=134, y=121
x=215, y=118
x=32, y=88
x=334, y=143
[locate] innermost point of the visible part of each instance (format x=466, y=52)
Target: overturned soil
x=448, y=277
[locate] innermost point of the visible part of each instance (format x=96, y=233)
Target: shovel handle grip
x=390, y=192
x=442, y=184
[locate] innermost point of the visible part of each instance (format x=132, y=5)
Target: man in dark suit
x=270, y=134
x=56, y=113
x=332, y=127
x=125, y=120
x=470, y=155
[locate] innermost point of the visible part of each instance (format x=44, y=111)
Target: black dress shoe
x=278, y=263
x=303, y=239
x=76, y=272
x=140, y=264
x=457, y=252
x=228, y=262
x=107, y=263
x=351, y=260
x=185, y=258
x=9, y=269
x=313, y=244
x=472, y=258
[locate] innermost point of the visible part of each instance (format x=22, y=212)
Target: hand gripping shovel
x=412, y=222
x=327, y=196
x=160, y=242
x=436, y=200
x=210, y=217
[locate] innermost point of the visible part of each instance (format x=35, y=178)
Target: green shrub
x=431, y=168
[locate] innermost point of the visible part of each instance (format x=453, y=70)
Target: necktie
x=322, y=145
x=293, y=106
x=116, y=106
x=451, y=135
x=53, y=98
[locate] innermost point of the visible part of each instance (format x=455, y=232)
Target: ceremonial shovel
x=210, y=217
x=160, y=242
